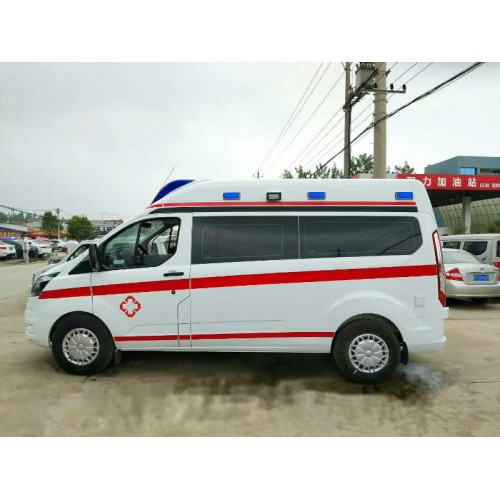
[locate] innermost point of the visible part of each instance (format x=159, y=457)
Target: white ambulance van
x=347, y=267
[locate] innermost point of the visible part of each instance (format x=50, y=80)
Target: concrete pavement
x=454, y=392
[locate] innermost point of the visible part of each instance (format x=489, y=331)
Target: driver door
x=142, y=291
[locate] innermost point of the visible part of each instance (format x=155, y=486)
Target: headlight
x=41, y=283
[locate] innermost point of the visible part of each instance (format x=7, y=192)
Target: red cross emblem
x=130, y=306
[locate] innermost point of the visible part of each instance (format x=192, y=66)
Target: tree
x=49, y=223
x=362, y=164
x=493, y=226
x=405, y=169
x=80, y=228
x=320, y=172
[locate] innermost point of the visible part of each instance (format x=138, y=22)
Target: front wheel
x=367, y=351
x=82, y=345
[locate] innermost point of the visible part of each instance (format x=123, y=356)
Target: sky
x=92, y=138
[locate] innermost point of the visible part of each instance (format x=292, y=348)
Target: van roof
x=395, y=195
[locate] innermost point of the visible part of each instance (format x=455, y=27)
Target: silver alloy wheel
x=80, y=346
x=368, y=353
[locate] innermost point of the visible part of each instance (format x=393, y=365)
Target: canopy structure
x=449, y=189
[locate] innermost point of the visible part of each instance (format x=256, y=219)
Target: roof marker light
x=404, y=195
x=273, y=196
x=316, y=195
x=231, y=196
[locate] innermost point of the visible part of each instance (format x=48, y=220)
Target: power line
x=369, y=115
x=314, y=138
x=363, y=110
x=331, y=129
x=288, y=124
x=433, y=90
x=307, y=121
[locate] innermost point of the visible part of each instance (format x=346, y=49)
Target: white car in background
x=59, y=245
x=7, y=250
x=469, y=278
x=84, y=245
x=43, y=247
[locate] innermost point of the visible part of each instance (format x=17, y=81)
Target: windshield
x=459, y=257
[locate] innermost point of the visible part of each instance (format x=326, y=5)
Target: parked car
x=7, y=250
x=469, y=278
x=43, y=247
x=59, y=245
x=55, y=261
x=19, y=244
x=351, y=269
x=485, y=247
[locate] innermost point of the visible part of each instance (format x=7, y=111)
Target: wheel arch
x=77, y=313
x=376, y=317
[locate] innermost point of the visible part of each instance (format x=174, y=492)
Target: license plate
x=481, y=277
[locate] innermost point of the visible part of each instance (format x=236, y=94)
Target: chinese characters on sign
x=457, y=182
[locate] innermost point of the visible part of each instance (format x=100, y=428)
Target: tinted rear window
x=355, y=236
x=235, y=239
x=451, y=244
x=476, y=247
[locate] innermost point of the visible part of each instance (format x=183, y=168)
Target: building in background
x=13, y=230
x=482, y=211
x=105, y=226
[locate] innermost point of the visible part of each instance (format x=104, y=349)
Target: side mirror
x=94, y=260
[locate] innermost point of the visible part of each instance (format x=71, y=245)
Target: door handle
x=174, y=273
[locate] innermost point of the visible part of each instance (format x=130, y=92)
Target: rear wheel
x=82, y=345
x=367, y=350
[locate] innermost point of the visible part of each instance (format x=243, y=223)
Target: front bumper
x=458, y=289
x=37, y=327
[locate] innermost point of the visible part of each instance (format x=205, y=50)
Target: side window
x=143, y=244
x=498, y=248
x=358, y=236
x=451, y=244
x=78, y=252
x=237, y=239
x=476, y=247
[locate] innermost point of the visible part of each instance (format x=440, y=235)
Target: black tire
x=479, y=300
x=346, y=337
x=105, y=351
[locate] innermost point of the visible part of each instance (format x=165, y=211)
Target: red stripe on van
x=246, y=280
x=142, y=287
x=284, y=203
x=65, y=293
x=314, y=276
x=220, y=336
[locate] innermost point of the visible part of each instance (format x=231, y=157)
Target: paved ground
x=452, y=392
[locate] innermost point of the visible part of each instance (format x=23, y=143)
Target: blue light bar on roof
x=404, y=195
x=231, y=196
x=171, y=186
x=316, y=195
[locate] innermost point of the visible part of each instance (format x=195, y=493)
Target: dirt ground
x=454, y=392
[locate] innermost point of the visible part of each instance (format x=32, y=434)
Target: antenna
x=168, y=176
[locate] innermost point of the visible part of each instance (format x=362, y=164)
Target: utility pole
x=258, y=175
x=347, y=121
x=58, y=210
x=379, y=133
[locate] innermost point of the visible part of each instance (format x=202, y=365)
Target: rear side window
x=498, y=248
x=236, y=239
x=358, y=236
x=452, y=244
x=476, y=247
